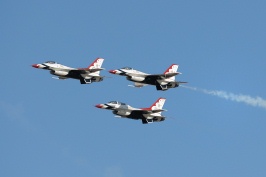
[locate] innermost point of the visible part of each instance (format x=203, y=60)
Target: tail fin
x=158, y=104
x=96, y=65
x=172, y=69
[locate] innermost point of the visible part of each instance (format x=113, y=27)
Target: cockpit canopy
x=116, y=102
x=127, y=68
x=113, y=102
x=51, y=62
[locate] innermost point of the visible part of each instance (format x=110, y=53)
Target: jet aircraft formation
x=91, y=74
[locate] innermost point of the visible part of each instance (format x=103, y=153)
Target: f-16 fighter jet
x=161, y=81
x=147, y=115
x=85, y=75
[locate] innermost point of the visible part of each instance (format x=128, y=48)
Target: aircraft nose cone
x=98, y=106
x=112, y=71
x=35, y=66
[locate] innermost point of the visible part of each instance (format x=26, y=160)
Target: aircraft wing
x=136, y=74
x=143, y=111
x=155, y=76
x=95, y=70
x=162, y=76
x=84, y=71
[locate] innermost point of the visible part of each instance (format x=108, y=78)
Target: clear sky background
x=51, y=128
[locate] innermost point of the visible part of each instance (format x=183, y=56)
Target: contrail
x=252, y=101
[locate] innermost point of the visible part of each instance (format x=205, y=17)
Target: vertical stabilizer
x=172, y=69
x=158, y=104
x=96, y=64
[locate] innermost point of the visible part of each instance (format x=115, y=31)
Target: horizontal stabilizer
x=158, y=110
x=171, y=74
x=95, y=69
x=149, y=111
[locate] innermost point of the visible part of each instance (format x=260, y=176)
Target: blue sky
x=51, y=128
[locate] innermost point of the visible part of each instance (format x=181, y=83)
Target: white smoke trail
x=252, y=101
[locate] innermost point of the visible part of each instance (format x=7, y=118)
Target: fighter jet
x=161, y=81
x=147, y=115
x=85, y=75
